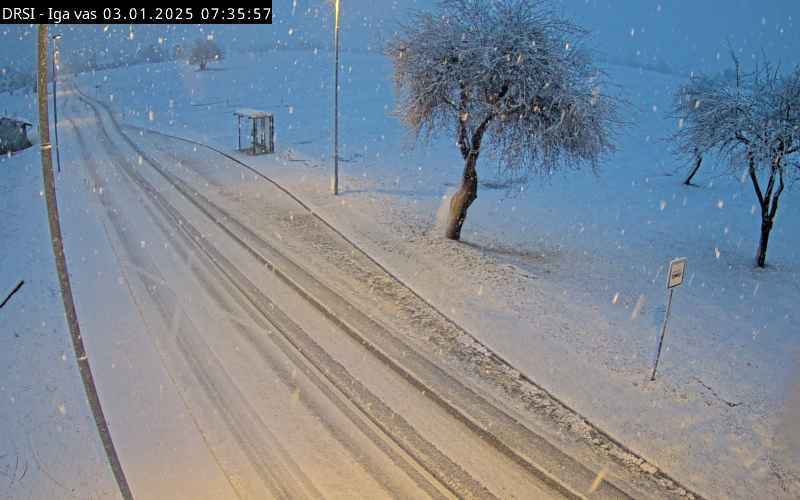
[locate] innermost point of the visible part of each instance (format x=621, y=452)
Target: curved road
x=267, y=382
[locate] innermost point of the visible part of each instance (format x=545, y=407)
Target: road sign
x=677, y=270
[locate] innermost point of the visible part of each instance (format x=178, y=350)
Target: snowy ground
x=202, y=358
x=563, y=277
x=49, y=446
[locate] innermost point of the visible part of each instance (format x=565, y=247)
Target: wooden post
x=55, y=105
x=239, y=125
x=335, y=180
x=63, y=273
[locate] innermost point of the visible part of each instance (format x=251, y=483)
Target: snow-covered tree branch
x=508, y=75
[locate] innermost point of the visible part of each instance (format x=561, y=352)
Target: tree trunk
x=463, y=198
x=698, y=162
x=761, y=257
x=769, y=201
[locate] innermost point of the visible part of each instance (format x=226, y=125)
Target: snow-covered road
x=561, y=278
x=229, y=363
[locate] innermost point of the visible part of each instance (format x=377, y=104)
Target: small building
x=256, y=131
x=13, y=135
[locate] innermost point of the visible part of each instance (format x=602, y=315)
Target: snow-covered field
x=564, y=277
x=49, y=447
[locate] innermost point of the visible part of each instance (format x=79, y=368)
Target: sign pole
x=677, y=271
x=335, y=179
x=663, y=332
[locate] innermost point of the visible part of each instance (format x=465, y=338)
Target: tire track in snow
x=258, y=342
x=283, y=484
x=635, y=475
x=448, y=473
x=389, y=349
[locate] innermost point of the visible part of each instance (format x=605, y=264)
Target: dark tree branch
x=463, y=117
x=774, y=209
x=15, y=290
x=477, y=137
x=770, y=187
x=741, y=138
x=754, y=178
x=462, y=139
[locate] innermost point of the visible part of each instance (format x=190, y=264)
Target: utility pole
x=56, y=38
x=335, y=182
x=63, y=274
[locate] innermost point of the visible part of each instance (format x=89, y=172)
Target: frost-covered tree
x=505, y=75
x=22, y=80
x=687, y=105
x=151, y=53
x=203, y=52
x=686, y=108
x=178, y=52
x=752, y=122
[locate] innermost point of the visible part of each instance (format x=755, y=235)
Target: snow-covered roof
x=14, y=119
x=251, y=113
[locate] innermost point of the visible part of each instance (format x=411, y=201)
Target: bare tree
x=507, y=75
x=698, y=161
x=151, y=53
x=686, y=104
x=752, y=122
x=203, y=52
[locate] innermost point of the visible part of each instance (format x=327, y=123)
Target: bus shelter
x=256, y=131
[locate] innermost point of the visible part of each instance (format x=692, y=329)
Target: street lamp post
x=56, y=38
x=335, y=180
